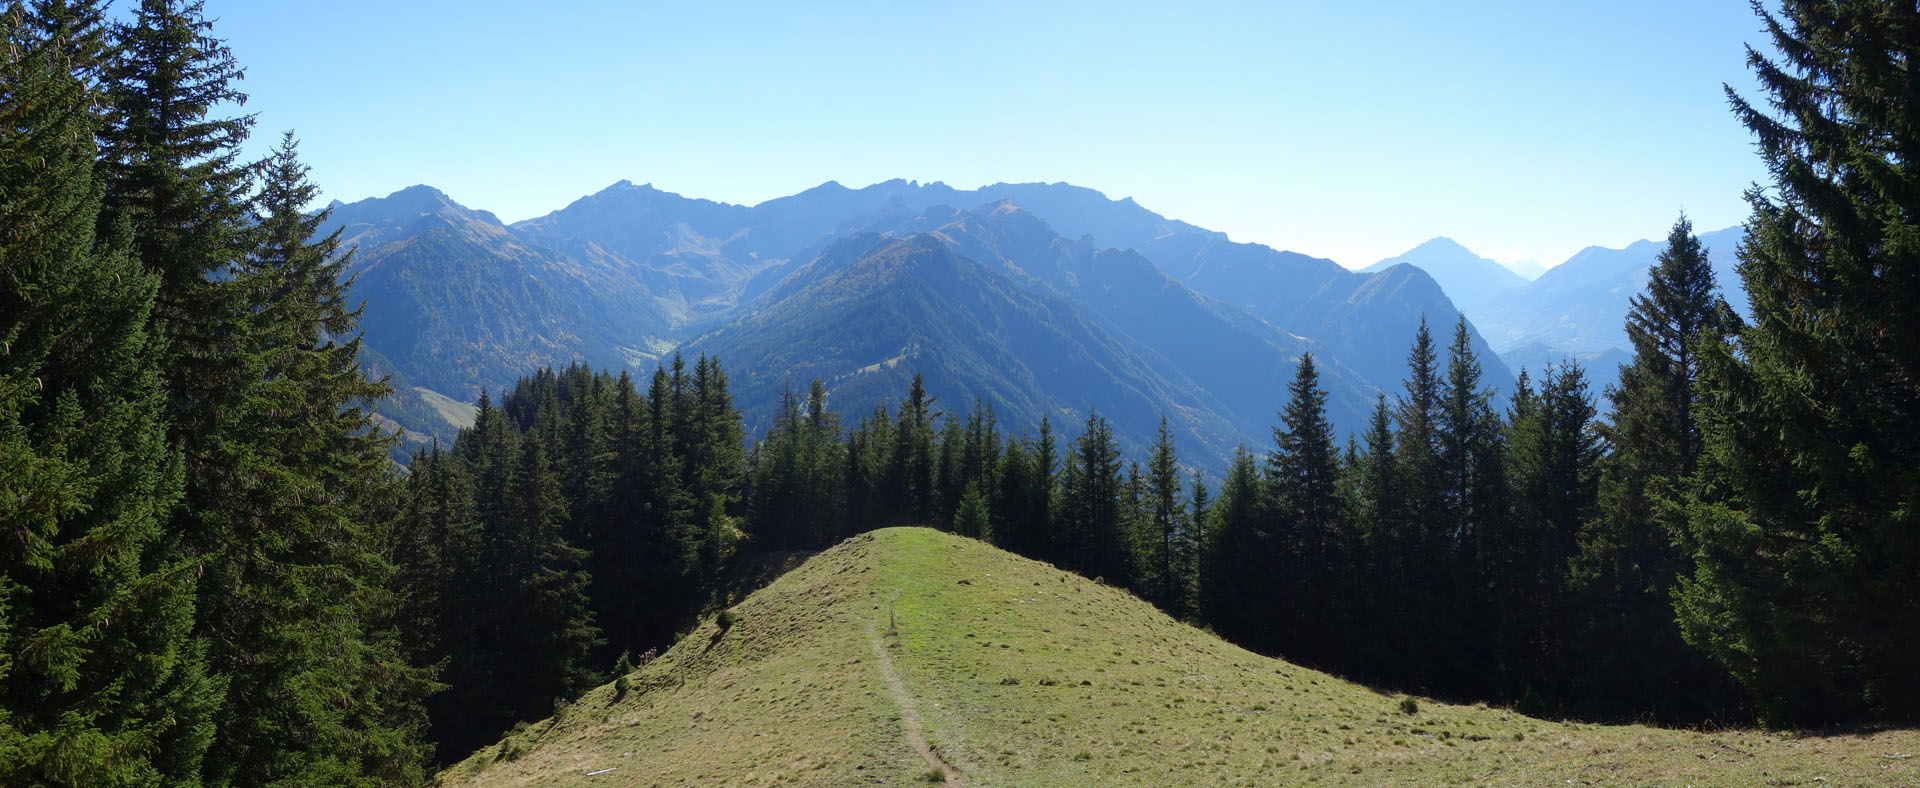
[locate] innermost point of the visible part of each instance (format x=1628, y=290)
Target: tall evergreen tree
x=1306, y=521
x=1415, y=552
x=911, y=473
x=173, y=178
x=76, y=33
x=1172, y=532
x=1474, y=498
x=318, y=692
x=1236, y=567
x=1629, y=558
x=101, y=680
x=1807, y=576
x=1551, y=468
x=1093, y=537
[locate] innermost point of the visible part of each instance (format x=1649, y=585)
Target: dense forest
x=212, y=574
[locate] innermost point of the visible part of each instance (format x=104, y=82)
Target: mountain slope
x=1365, y=320
x=1014, y=673
x=1242, y=361
x=1472, y=282
x=873, y=311
x=1581, y=305
x=456, y=302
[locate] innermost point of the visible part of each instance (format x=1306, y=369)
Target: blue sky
x=1350, y=130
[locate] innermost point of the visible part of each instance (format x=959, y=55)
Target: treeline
x=211, y=575
x=194, y=585
x=576, y=521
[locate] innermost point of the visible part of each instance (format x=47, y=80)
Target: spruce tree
x=175, y=182
x=1236, y=567
x=101, y=680
x=1094, y=539
x=1303, y=476
x=1551, y=468
x=1172, y=536
x=291, y=608
x=1629, y=557
x=911, y=471
x=1415, y=551
x=1807, y=577
x=1474, y=498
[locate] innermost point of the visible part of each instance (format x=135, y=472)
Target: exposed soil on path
x=909, y=712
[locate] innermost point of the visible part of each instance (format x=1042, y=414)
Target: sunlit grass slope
x=1018, y=674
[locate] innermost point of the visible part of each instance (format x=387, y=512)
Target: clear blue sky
x=1353, y=130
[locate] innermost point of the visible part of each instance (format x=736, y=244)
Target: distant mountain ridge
x=1471, y=281
x=1580, y=306
x=1156, y=315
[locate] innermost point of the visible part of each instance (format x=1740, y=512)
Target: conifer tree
x=1807, y=578
x=101, y=680
x=173, y=179
x=291, y=610
x=911, y=471
x=1474, y=499
x=74, y=31
x=1236, y=570
x=1094, y=539
x=1306, y=521
x=1415, y=551
x=1470, y=450
x=535, y=642
x=1629, y=558
x=1172, y=534
x=1551, y=468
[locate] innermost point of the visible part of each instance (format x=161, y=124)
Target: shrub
x=620, y=671
x=726, y=620
x=1409, y=706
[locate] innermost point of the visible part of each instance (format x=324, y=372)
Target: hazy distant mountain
x=1472, y=282
x=1527, y=269
x=1581, y=305
x=1367, y=321
x=1602, y=366
x=1239, y=360
x=1048, y=298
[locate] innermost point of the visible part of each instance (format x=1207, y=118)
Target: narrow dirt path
x=909, y=713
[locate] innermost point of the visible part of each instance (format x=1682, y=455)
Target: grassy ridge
x=1023, y=675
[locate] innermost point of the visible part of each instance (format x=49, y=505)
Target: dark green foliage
x=1306, y=522
x=1173, y=542
x=1235, y=562
x=101, y=682
x=1627, y=647
x=797, y=478
x=1092, y=539
x=910, y=467
x=1807, y=578
x=1553, y=447
x=292, y=619
x=621, y=670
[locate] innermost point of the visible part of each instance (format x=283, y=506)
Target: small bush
x=934, y=776
x=1409, y=706
x=725, y=620
x=1083, y=755
x=620, y=671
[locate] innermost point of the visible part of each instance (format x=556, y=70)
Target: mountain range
x=1576, y=310
x=1039, y=299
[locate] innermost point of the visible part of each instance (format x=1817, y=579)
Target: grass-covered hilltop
x=1014, y=673
x=1054, y=491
